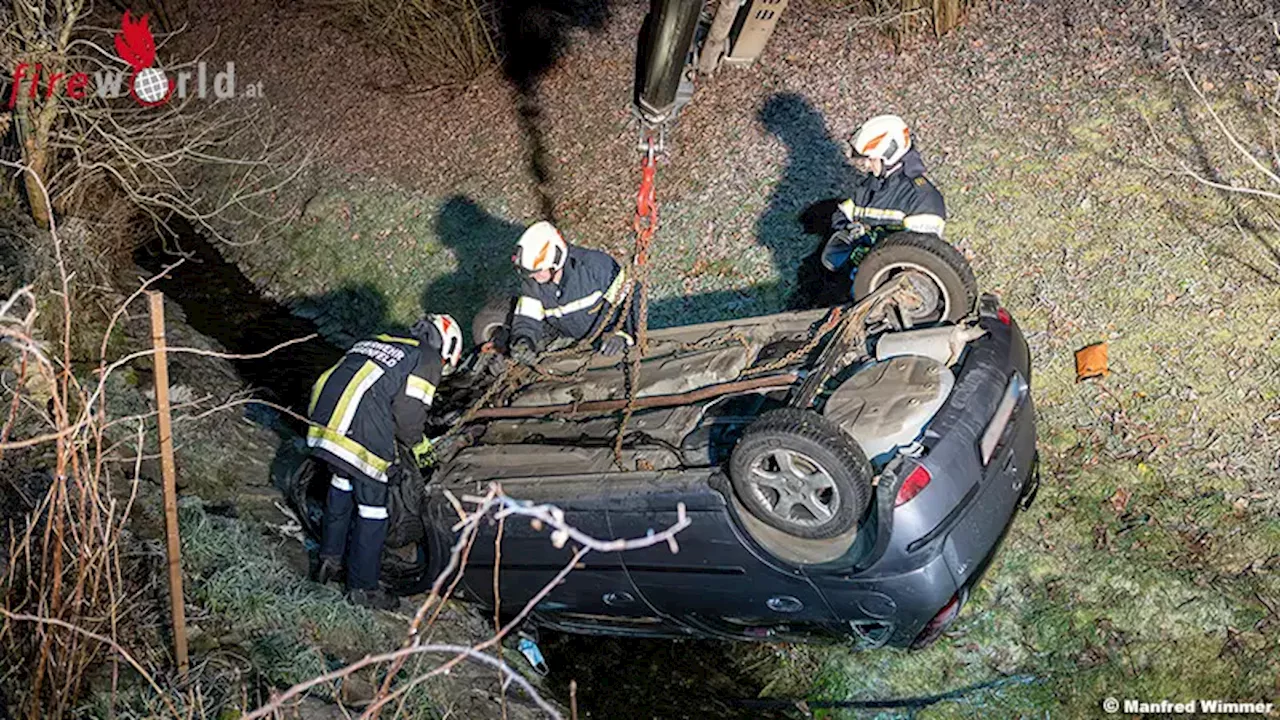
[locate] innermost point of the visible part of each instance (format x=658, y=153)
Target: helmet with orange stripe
x=540, y=248
x=450, y=335
x=884, y=138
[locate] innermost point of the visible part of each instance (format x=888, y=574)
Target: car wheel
x=797, y=471
x=308, y=485
x=938, y=272
x=491, y=322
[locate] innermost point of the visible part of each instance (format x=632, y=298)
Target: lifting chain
x=830, y=321
x=645, y=224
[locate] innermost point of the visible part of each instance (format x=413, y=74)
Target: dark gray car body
x=904, y=567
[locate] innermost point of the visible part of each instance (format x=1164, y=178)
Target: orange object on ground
x=1091, y=362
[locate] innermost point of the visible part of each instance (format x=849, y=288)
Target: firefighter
x=569, y=290
x=377, y=395
x=892, y=192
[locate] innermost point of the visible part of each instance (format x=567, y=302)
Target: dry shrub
x=901, y=19
x=65, y=580
x=439, y=42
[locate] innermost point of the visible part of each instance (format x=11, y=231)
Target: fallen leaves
x=1120, y=499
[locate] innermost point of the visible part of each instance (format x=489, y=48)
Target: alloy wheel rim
x=794, y=488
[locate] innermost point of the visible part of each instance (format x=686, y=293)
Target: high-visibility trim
x=340, y=483
x=847, y=207
x=925, y=223
x=318, y=387
x=880, y=213
x=575, y=306
x=420, y=389
x=349, y=403
x=372, y=512
x=617, y=289
x=394, y=339
x=874, y=142
x=349, y=451
x=531, y=308
x=542, y=255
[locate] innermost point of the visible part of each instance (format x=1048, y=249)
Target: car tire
x=306, y=489
x=797, y=471
x=932, y=258
x=491, y=323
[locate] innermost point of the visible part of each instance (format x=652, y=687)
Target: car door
x=717, y=582
x=596, y=593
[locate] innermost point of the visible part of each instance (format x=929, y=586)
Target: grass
x=368, y=254
x=253, y=601
x=256, y=625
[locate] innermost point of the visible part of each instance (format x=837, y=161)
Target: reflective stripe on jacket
x=902, y=200
x=593, y=284
x=377, y=393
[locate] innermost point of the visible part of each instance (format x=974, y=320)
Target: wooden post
x=170, y=482
x=716, y=44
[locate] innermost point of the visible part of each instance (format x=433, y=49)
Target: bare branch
x=505, y=506
x=1222, y=125
x=23, y=617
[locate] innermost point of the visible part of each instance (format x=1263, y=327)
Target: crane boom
x=664, y=54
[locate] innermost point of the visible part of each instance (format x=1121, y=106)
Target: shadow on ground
x=219, y=301
x=482, y=243
x=793, y=226
x=534, y=36
x=620, y=679
x=1264, y=261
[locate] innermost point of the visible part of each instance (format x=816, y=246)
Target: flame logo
x=136, y=46
x=135, y=43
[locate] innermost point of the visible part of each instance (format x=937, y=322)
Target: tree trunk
x=36, y=125
x=36, y=160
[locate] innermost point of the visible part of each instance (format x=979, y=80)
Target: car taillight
x=1003, y=316
x=1004, y=411
x=938, y=624
x=915, y=482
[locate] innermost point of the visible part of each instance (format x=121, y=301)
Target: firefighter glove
x=839, y=248
x=523, y=351
x=422, y=452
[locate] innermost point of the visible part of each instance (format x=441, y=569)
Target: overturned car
x=848, y=473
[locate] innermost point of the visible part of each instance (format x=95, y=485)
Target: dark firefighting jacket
x=904, y=199
x=591, y=290
x=379, y=392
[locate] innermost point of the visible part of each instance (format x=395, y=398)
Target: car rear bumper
x=940, y=543
x=952, y=561
x=976, y=535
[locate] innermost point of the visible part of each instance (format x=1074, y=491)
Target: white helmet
x=450, y=339
x=541, y=247
x=885, y=137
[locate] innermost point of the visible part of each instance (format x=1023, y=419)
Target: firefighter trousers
x=355, y=528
